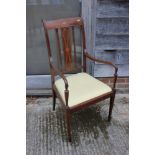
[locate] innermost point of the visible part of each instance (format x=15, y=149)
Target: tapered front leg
x=68, y=121
x=112, y=98
x=54, y=99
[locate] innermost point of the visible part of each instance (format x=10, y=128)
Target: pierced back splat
x=66, y=43
x=67, y=49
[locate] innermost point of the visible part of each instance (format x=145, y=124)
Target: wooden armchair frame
x=65, y=25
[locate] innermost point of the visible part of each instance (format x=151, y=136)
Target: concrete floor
x=92, y=134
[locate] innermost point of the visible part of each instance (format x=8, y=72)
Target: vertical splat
x=73, y=36
x=84, y=47
x=59, y=48
x=66, y=40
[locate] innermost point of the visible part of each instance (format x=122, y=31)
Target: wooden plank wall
x=89, y=16
x=112, y=36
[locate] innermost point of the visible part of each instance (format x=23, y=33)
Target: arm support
x=61, y=75
x=57, y=72
x=104, y=62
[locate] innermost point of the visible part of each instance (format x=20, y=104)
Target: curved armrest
x=101, y=61
x=104, y=62
x=66, y=91
x=61, y=75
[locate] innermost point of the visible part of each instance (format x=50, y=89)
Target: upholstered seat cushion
x=82, y=87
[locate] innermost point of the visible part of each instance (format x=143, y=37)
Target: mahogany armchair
x=80, y=90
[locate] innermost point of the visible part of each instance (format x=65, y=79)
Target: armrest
x=59, y=73
x=66, y=91
x=104, y=62
x=101, y=61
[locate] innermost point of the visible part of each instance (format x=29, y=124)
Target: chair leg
x=54, y=100
x=112, y=98
x=68, y=121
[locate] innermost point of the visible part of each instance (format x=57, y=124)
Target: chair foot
x=68, y=121
x=54, y=100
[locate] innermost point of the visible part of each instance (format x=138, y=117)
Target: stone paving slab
x=92, y=134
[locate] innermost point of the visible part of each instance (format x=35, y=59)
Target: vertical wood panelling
x=89, y=16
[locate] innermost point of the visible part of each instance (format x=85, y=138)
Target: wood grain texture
x=61, y=23
x=112, y=33
x=112, y=41
x=59, y=57
x=112, y=8
x=66, y=40
x=117, y=57
x=89, y=16
x=65, y=46
x=112, y=26
x=107, y=71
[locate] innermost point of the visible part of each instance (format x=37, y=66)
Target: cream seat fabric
x=82, y=87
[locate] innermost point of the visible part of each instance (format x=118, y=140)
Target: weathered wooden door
x=108, y=23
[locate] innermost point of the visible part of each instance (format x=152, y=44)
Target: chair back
x=65, y=39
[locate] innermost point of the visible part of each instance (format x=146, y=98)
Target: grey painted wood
x=36, y=10
x=38, y=82
x=37, y=61
x=44, y=2
x=112, y=41
x=86, y=15
x=108, y=71
x=42, y=92
x=34, y=13
x=35, y=38
x=102, y=47
x=113, y=0
x=117, y=57
x=89, y=16
x=112, y=26
x=112, y=8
